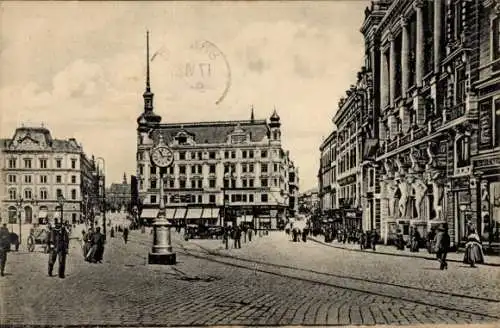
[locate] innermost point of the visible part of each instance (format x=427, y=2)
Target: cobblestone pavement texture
x=269, y=281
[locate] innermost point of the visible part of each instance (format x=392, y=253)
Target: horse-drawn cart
x=38, y=236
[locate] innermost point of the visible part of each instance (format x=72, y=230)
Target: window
x=193, y=169
x=212, y=168
x=73, y=163
x=263, y=198
x=182, y=184
x=12, y=179
x=199, y=155
x=250, y=183
x=59, y=193
x=182, y=155
x=27, y=179
x=73, y=194
x=497, y=122
x=153, y=184
x=263, y=182
x=460, y=86
x=264, y=168
x=27, y=163
x=250, y=168
x=233, y=154
x=152, y=169
x=73, y=179
x=263, y=153
x=171, y=183
x=141, y=169
x=244, y=183
x=182, y=169
x=199, y=183
x=200, y=199
x=58, y=163
x=43, y=163
x=458, y=20
x=211, y=199
x=495, y=41
x=250, y=153
x=463, y=151
x=226, y=154
x=244, y=154
x=58, y=179
x=43, y=194
x=211, y=155
x=152, y=199
x=200, y=169
x=27, y=193
x=12, y=163
x=140, y=156
x=12, y=194
x=250, y=198
x=275, y=167
x=244, y=168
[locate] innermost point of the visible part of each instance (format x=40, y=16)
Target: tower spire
x=252, y=117
x=148, y=86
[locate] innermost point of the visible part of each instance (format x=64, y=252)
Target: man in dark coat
x=442, y=245
x=237, y=237
x=58, y=243
x=125, y=235
x=4, y=246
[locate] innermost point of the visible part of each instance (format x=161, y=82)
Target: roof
x=38, y=139
x=119, y=188
x=213, y=132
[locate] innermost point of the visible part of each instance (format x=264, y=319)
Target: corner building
x=425, y=56
x=36, y=170
x=233, y=167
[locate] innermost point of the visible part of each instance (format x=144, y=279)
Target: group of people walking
x=93, y=245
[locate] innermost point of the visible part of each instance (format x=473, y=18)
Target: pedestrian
x=112, y=232
x=362, y=240
x=304, y=234
x=442, y=243
x=250, y=234
x=373, y=239
x=473, y=250
x=237, y=237
x=97, y=250
x=430, y=240
x=58, y=248
x=125, y=235
x=4, y=247
x=415, y=240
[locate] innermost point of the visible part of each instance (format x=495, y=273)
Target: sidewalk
x=490, y=260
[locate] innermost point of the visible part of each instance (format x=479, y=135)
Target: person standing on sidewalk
x=442, y=245
x=125, y=235
x=237, y=237
x=58, y=247
x=4, y=247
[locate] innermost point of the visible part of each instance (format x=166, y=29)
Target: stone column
x=405, y=56
x=383, y=81
x=392, y=70
x=420, y=42
x=438, y=8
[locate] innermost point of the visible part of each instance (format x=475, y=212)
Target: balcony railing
x=457, y=111
x=392, y=145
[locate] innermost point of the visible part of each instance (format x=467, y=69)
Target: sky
x=78, y=68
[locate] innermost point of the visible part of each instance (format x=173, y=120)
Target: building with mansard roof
x=234, y=167
x=36, y=169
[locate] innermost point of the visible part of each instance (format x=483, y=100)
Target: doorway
x=28, y=215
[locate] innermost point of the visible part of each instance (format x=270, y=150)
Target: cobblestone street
x=270, y=281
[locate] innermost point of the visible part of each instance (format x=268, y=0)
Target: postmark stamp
x=200, y=67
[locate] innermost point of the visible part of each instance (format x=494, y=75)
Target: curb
x=392, y=254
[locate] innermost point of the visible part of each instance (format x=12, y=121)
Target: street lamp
x=19, y=204
x=230, y=175
x=103, y=193
x=60, y=201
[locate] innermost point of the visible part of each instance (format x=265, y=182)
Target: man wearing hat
x=4, y=246
x=442, y=244
x=58, y=243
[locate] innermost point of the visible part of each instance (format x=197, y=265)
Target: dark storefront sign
x=460, y=183
x=347, y=180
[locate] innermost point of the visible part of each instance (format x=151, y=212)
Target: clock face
x=162, y=156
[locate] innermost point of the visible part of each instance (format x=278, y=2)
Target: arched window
x=43, y=194
x=463, y=151
x=12, y=194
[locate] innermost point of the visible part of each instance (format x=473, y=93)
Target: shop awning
x=210, y=213
x=149, y=213
x=169, y=213
x=42, y=214
x=180, y=213
x=194, y=213
x=247, y=218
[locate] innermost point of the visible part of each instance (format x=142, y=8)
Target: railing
x=457, y=111
x=392, y=145
x=405, y=139
x=436, y=123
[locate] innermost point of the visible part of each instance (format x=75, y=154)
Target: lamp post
x=103, y=193
x=60, y=201
x=230, y=175
x=19, y=204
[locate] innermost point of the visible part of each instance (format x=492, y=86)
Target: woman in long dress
x=473, y=250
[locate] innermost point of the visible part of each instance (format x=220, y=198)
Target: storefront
x=352, y=219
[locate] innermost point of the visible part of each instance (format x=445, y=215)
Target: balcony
x=456, y=112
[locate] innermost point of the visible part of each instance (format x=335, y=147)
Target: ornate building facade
x=235, y=167
x=119, y=195
x=37, y=170
x=425, y=59
x=327, y=175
